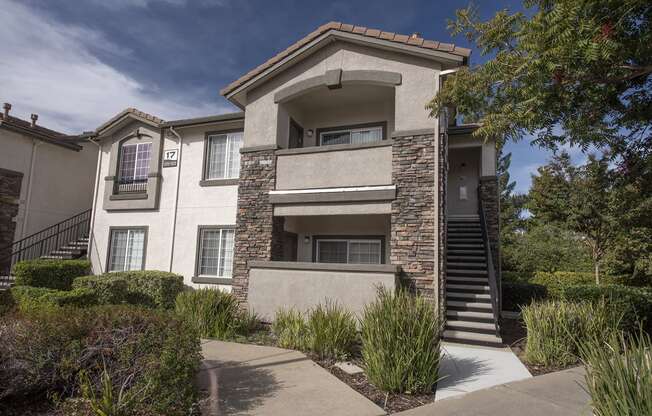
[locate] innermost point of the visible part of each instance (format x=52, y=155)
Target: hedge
x=52, y=274
x=516, y=295
x=28, y=297
x=555, y=282
x=634, y=303
x=152, y=288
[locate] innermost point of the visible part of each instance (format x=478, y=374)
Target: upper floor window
x=223, y=156
x=360, y=135
x=134, y=167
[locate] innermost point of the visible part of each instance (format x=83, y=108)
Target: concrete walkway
x=559, y=394
x=254, y=380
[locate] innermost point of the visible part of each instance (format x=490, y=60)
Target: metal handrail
x=45, y=241
x=491, y=271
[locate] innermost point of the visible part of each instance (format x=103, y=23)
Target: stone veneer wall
x=443, y=194
x=10, y=184
x=258, y=234
x=489, y=194
x=413, y=212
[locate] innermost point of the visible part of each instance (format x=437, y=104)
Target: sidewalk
x=559, y=394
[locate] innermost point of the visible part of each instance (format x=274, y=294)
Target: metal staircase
x=471, y=304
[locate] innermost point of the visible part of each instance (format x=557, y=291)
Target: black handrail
x=491, y=271
x=45, y=241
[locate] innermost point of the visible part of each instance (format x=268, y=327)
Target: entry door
x=463, y=180
x=296, y=135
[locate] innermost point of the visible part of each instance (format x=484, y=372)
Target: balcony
x=130, y=186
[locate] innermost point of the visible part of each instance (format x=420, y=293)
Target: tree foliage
x=572, y=72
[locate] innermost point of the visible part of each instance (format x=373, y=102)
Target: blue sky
x=78, y=62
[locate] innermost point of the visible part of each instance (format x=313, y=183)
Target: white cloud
x=48, y=68
x=523, y=176
x=121, y=4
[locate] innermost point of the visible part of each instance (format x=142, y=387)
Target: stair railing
x=45, y=241
x=491, y=271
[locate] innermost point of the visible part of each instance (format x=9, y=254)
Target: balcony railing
x=129, y=186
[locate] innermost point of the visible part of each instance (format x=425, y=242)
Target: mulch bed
x=389, y=402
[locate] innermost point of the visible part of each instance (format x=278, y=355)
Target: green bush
x=7, y=302
x=517, y=295
x=331, y=331
x=214, y=313
x=151, y=288
x=290, y=329
x=635, y=304
x=28, y=297
x=515, y=277
x=147, y=354
x=555, y=327
x=53, y=274
x=401, y=342
x=555, y=282
x=619, y=374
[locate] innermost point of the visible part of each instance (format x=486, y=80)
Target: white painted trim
x=331, y=190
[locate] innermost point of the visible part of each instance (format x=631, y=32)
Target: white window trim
x=127, y=248
x=350, y=131
x=348, y=247
x=227, y=159
x=200, y=249
x=133, y=174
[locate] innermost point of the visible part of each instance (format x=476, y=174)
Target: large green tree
x=552, y=186
x=564, y=71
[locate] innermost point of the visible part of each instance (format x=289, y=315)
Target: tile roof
x=133, y=111
x=204, y=120
x=39, y=132
x=358, y=30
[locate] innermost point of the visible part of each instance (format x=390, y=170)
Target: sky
x=77, y=63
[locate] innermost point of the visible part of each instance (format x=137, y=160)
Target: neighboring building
x=336, y=181
x=45, y=177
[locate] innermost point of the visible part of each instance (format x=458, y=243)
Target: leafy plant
x=331, y=331
x=401, y=342
x=51, y=274
x=107, y=403
x=290, y=329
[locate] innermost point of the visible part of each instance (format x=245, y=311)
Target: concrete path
x=254, y=380
x=559, y=394
x=466, y=368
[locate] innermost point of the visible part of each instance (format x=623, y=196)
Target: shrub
x=53, y=274
x=514, y=277
x=214, y=313
x=517, y=295
x=635, y=304
x=148, y=354
x=555, y=327
x=109, y=290
x=7, y=302
x=331, y=331
x=619, y=374
x=28, y=297
x=290, y=329
x=401, y=342
x=555, y=282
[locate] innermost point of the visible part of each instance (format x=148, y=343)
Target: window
x=134, y=166
x=127, y=249
x=215, y=252
x=223, y=156
x=351, y=136
x=353, y=251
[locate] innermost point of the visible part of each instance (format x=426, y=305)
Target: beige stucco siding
x=419, y=79
x=61, y=183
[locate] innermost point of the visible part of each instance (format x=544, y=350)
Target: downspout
x=91, y=233
x=30, y=182
x=176, y=198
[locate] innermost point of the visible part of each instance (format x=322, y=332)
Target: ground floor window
x=127, y=249
x=349, y=250
x=215, y=252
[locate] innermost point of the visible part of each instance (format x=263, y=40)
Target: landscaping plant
x=618, y=373
x=290, y=329
x=554, y=327
x=331, y=331
x=401, y=342
x=52, y=274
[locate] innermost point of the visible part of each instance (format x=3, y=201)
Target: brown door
x=296, y=135
x=290, y=247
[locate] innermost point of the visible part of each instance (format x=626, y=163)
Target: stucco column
x=258, y=235
x=413, y=212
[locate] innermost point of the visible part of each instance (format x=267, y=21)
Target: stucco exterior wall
x=264, y=122
x=61, y=180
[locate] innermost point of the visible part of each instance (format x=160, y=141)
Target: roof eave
x=51, y=140
x=192, y=122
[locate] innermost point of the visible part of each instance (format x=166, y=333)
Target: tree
x=511, y=205
x=552, y=187
x=573, y=72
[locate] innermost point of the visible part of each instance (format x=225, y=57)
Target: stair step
x=468, y=288
x=470, y=325
x=467, y=280
x=479, y=297
x=470, y=316
x=466, y=272
x=466, y=246
x=464, y=231
x=465, y=305
x=468, y=258
x=472, y=338
x=462, y=252
x=51, y=257
x=466, y=264
x=78, y=249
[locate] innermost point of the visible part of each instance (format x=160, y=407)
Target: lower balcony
x=303, y=285
x=130, y=186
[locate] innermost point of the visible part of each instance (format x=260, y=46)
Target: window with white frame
x=351, y=136
x=215, y=258
x=352, y=251
x=127, y=249
x=134, y=162
x=223, y=156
